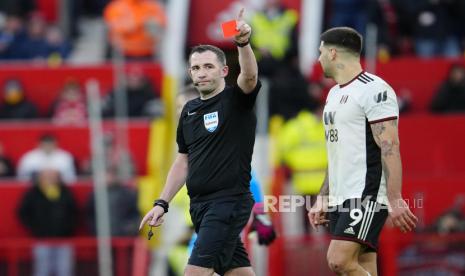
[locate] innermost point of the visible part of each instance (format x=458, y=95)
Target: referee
x=215, y=137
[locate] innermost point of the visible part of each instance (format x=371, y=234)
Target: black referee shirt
x=218, y=134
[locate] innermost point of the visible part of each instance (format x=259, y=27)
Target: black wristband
x=162, y=203
x=243, y=44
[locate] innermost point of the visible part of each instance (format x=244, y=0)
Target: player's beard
x=327, y=72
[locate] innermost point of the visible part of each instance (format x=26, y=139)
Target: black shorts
x=218, y=224
x=358, y=221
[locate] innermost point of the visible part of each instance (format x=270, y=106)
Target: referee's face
x=207, y=72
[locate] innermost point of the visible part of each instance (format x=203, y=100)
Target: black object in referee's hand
x=150, y=233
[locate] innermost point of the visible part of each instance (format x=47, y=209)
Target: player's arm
x=248, y=76
x=317, y=214
x=174, y=181
x=386, y=137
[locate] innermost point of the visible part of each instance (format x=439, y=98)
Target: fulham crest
x=210, y=121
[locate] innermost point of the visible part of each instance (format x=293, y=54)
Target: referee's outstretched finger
x=240, y=16
x=146, y=218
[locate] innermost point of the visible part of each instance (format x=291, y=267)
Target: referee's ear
x=224, y=71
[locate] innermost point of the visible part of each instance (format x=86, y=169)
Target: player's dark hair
x=343, y=37
x=203, y=48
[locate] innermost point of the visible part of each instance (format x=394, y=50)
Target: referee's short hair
x=343, y=37
x=203, y=48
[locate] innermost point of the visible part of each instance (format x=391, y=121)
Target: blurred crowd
x=31, y=38
x=421, y=28
x=425, y=28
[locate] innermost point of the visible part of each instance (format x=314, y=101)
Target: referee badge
x=210, y=121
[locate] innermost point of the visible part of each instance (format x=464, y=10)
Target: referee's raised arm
x=248, y=77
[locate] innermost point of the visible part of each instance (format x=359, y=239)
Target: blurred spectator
x=47, y=156
x=431, y=24
x=12, y=36
x=404, y=100
x=451, y=95
x=136, y=27
x=382, y=15
x=350, y=13
x=122, y=200
x=275, y=36
x=58, y=48
x=35, y=46
x=452, y=221
x=14, y=104
x=142, y=101
x=115, y=157
x=70, y=108
x=442, y=255
x=302, y=149
x=6, y=166
x=48, y=209
x=289, y=92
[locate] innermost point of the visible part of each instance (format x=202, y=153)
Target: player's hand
x=262, y=225
x=244, y=29
x=317, y=214
x=401, y=216
x=154, y=217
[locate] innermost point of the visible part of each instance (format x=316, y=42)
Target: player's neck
x=217, y=91
x=346, y=72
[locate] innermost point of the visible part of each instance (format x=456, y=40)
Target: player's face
x=325, y=60
x=207, y=72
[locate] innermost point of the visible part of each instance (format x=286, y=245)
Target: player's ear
x=333, y=53
x=224, y=71
x=189, y=72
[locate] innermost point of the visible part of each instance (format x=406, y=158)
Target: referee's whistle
x=150, y=233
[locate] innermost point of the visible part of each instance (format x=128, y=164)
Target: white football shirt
x=354, y=158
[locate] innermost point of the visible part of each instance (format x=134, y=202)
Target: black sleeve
x=247, y=101
x=182, y=147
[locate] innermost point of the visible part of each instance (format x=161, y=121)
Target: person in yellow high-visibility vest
x=302, y=148
x=275, y=36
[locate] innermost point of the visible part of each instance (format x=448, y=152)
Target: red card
x=229, y=28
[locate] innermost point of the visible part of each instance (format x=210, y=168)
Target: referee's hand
x=244, y=29
x=401, y=216
x=154, y=217
x=317, y=214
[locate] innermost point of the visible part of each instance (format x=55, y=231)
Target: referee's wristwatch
x=243, y=44
x=162, y=203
